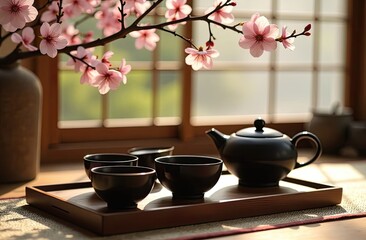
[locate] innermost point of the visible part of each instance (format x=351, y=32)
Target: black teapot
x=260, y=156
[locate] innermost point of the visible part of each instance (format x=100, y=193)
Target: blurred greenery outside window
x=282, y=86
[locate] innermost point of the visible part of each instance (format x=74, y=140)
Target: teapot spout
x=218, y=138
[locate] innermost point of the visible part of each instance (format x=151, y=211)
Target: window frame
x=65, y=145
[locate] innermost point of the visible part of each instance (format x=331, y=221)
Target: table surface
x=333, y=170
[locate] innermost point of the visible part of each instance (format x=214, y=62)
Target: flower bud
x=307, y=34
x=233, y=4
x=307, y=28
x=209, y=44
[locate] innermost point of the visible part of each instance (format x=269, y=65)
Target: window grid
x=155, y=66
x=272, y=67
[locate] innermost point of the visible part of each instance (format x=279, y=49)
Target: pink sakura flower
x=51, y=40
x=81, y=54
x=259, y=35
x=88, y=37
x=200, y=58
x=94, y=2
x=140, y=8
x=136, y=6
x=105, y=59
x=132, y=3
x=88, y=76
x=222, y=15
x=145, y=38
x=51, y=13
x=68, y=12
x=75, y=7
x=124, y=69
x=88, y=71
x=106, y=79
x=26, y=39
x=287, y=42
x=105, y=6
x=14, y=14
x=177, y=9
x=70, y=33
x=108, y=20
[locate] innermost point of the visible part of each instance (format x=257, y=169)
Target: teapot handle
x=310, y=136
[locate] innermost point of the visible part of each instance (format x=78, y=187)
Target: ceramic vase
x=20, y=122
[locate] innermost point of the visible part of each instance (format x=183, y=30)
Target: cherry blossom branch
x=224, y=26
x=143, y=15
x=160, y=26
x=60, y=12
x=211, y=36
x=257, y=34
x=180, y=36
x=123, y=14
x=124, y=31
x=14, y=56
x=75, y=58
x=305, y=32
x=189, y=18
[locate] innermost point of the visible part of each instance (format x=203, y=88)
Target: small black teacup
x=108, y=159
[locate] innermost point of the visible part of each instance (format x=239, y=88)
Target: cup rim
x=346, y=112
x=132, y=158
x=215, y=160
x=148, y=171
x=154, y=150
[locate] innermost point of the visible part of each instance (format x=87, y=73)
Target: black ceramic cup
x=357, y=137
x=147, y=155
x=331, y=128
x=108, y=159
x=188, y=176
x=122, y=187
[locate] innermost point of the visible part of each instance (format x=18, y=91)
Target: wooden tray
x=78, y=203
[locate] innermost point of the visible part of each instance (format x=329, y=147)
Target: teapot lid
x=259, y=131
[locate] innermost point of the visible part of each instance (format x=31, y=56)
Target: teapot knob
x=259, y=124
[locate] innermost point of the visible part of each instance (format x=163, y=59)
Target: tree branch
x=16, y=55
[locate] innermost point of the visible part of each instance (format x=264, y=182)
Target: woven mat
x=18, y=220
